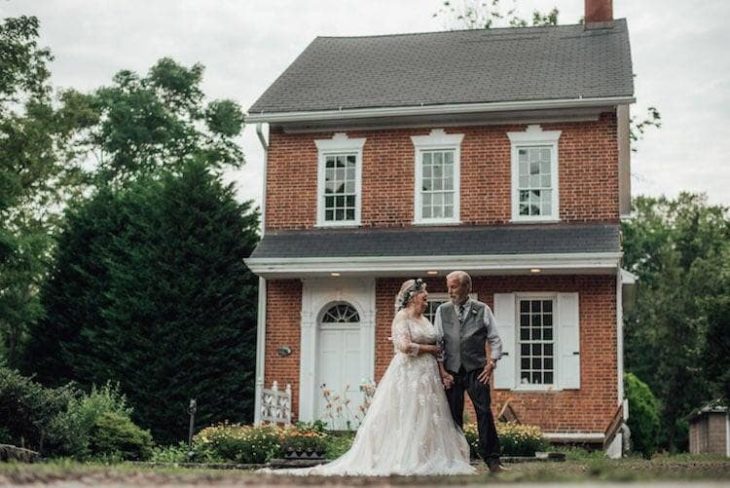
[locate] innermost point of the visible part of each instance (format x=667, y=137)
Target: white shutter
x=504, y=314
x=568, y=341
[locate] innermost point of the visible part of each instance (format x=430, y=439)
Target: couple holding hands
x=414, y=423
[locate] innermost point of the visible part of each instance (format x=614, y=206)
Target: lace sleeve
x=401, y=336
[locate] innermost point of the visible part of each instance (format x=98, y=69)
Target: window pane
x=449, y=157
x=438, y=212
x=548, y=363
x=427, y=199
x=351, y=160
x=339, y=214
x=524, y=196
x=534, y=168
x=438, y=199
x=426, y=212
x=536, y=363
x=350, y=201
x=426, y=158
x=438, y=185
x=329, y=202
x=525, y=349
x=525, y=317
x=524, y=306
x=548, y=378
x=351, y=214
x=427, y=171
x=438, y=158
x=328, y=215
x=448, y=183
x=536, y=349
x=547, y=334
x=536, y=378
x=427, y=185
x=525, y=377
x=548, y=349
x=437, y=172
x=524, y=334
x=448, y=211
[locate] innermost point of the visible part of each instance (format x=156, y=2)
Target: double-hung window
x=534, y=174
x=540, y=335
x=339, y=188
x=536, y=341
x=437, y=162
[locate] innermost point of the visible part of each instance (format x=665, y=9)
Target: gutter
x=445, y=109
x=261, y=313
x=608, y=262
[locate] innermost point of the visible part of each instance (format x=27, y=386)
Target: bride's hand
x=447, y=380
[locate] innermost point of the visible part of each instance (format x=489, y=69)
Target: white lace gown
x=408, y=429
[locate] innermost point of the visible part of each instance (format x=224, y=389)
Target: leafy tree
x=34, y=177
x=159, y=121
x=678, y=248
x=150, y=290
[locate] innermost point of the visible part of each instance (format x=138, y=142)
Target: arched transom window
x=341, y=313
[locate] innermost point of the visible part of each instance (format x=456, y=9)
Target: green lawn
x=661, y=468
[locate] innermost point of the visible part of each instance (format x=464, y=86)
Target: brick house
x=501, y=152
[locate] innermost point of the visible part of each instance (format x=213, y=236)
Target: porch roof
x=501, y=247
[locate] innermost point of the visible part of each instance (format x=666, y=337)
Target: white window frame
x=531, y=137
x=340, y=145
x=437, y=140
x=519, y=386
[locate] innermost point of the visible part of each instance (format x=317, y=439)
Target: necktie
x=461, y=312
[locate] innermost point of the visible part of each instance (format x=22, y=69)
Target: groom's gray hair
x=463, y=277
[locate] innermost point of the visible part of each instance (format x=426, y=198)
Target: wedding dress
x=408, y=429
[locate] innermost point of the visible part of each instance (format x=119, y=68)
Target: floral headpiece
x=406, y=295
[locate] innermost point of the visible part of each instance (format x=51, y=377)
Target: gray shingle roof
x=441, y=241
x=472, y=66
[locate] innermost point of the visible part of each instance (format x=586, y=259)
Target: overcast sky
x=679, y=50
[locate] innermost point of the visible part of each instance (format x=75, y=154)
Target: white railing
x=276, y=405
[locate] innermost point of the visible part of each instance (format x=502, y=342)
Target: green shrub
x=296, y=440
x=239, y=443
x=27, y=409
x=114, y=434
x=71, y=429
x=338, y=444
x=643, y=419
x=514, y=439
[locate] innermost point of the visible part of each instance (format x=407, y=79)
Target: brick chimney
x=598, y=14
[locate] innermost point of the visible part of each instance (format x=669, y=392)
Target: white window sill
x=436, y=222
x=330, y=225
x=535, y=221
x=536, y=388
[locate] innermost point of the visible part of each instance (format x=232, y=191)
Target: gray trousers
x=480, y=397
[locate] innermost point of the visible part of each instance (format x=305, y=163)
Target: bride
x=408, y=429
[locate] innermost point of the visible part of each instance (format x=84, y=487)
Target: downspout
x=261, y=315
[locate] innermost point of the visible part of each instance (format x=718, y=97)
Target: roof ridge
x=444, y=32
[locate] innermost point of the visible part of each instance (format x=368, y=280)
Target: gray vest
x=464, y=342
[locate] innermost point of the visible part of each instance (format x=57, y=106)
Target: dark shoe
x=496, y=467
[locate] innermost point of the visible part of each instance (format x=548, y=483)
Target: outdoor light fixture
x=535, y=270
x=334, y=274
x=283, y=351
x=432, y=272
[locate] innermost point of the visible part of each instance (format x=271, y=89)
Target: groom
x=468, y=326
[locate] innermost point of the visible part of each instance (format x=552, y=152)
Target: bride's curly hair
x=408, y=290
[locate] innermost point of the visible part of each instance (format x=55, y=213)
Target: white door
x=339, y=366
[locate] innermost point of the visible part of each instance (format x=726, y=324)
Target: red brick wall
x=588, y=175
x=588, y=409
x=283, y=319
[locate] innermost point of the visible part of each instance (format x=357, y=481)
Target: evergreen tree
x=150, y=290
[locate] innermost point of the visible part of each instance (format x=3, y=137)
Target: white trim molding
x=444, y=109
x=260, y=351
x=576, y=263
x=317, y=294
x=437, y=140
x=534, y=136
x=570, y=437
x=339, y=145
